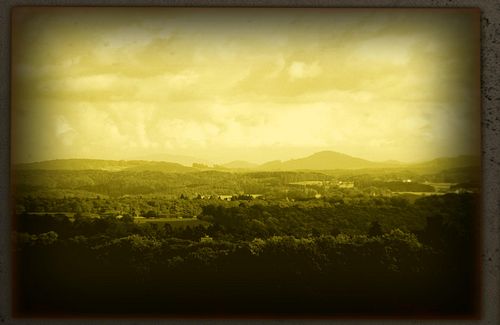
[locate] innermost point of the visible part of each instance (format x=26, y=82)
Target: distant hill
x=320, y=161
x=331, y=160
x=88, y=177
x=161, y=166
x=450, y=162
x=239, y=164
x=179, y=159
x=271, y=165
x=108, y=165
x=324, y=160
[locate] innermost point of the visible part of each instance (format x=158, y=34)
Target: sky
x=243, y=84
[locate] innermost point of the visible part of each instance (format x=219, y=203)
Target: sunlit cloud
x=223, y=84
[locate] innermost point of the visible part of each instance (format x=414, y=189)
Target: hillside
x=325, y=160
x=239, y=164
x=320, y=161
x=108, y=165
x=450, y=162
x=178, y=159
x=330, y=160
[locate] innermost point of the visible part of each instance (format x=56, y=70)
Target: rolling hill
x=325, y=160
x=450, y=162
x=331, y=160
x=108, y=165
x=239, y=164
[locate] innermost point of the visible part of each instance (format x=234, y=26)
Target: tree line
x=312, y=257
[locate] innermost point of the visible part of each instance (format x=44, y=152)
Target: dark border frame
x=490, y=110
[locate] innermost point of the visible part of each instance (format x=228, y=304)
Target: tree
x=168, y=229
x=151, y=214
x=127, y=218
x=375, y=229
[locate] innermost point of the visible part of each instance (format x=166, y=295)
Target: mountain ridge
x=103, y=164
x=323, y=160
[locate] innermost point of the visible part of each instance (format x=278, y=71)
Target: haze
x=244, y=84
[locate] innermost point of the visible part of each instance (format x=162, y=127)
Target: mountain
x=239, y=164
x=331, y=160
x=324, y=160
x=108, y=165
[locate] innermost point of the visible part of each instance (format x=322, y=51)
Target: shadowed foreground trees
x=261, y=260
x=136, y=274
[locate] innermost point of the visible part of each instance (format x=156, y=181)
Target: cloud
x=300, y=70
x=386, y=50
x=62, y=126
x=64, y=131
x=85, y=83
x=115, y=84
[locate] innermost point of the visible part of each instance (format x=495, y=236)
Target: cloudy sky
x=246, y=84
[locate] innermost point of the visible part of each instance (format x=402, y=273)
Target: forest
x=251, y=244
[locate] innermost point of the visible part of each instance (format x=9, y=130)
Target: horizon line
x=213, y=164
